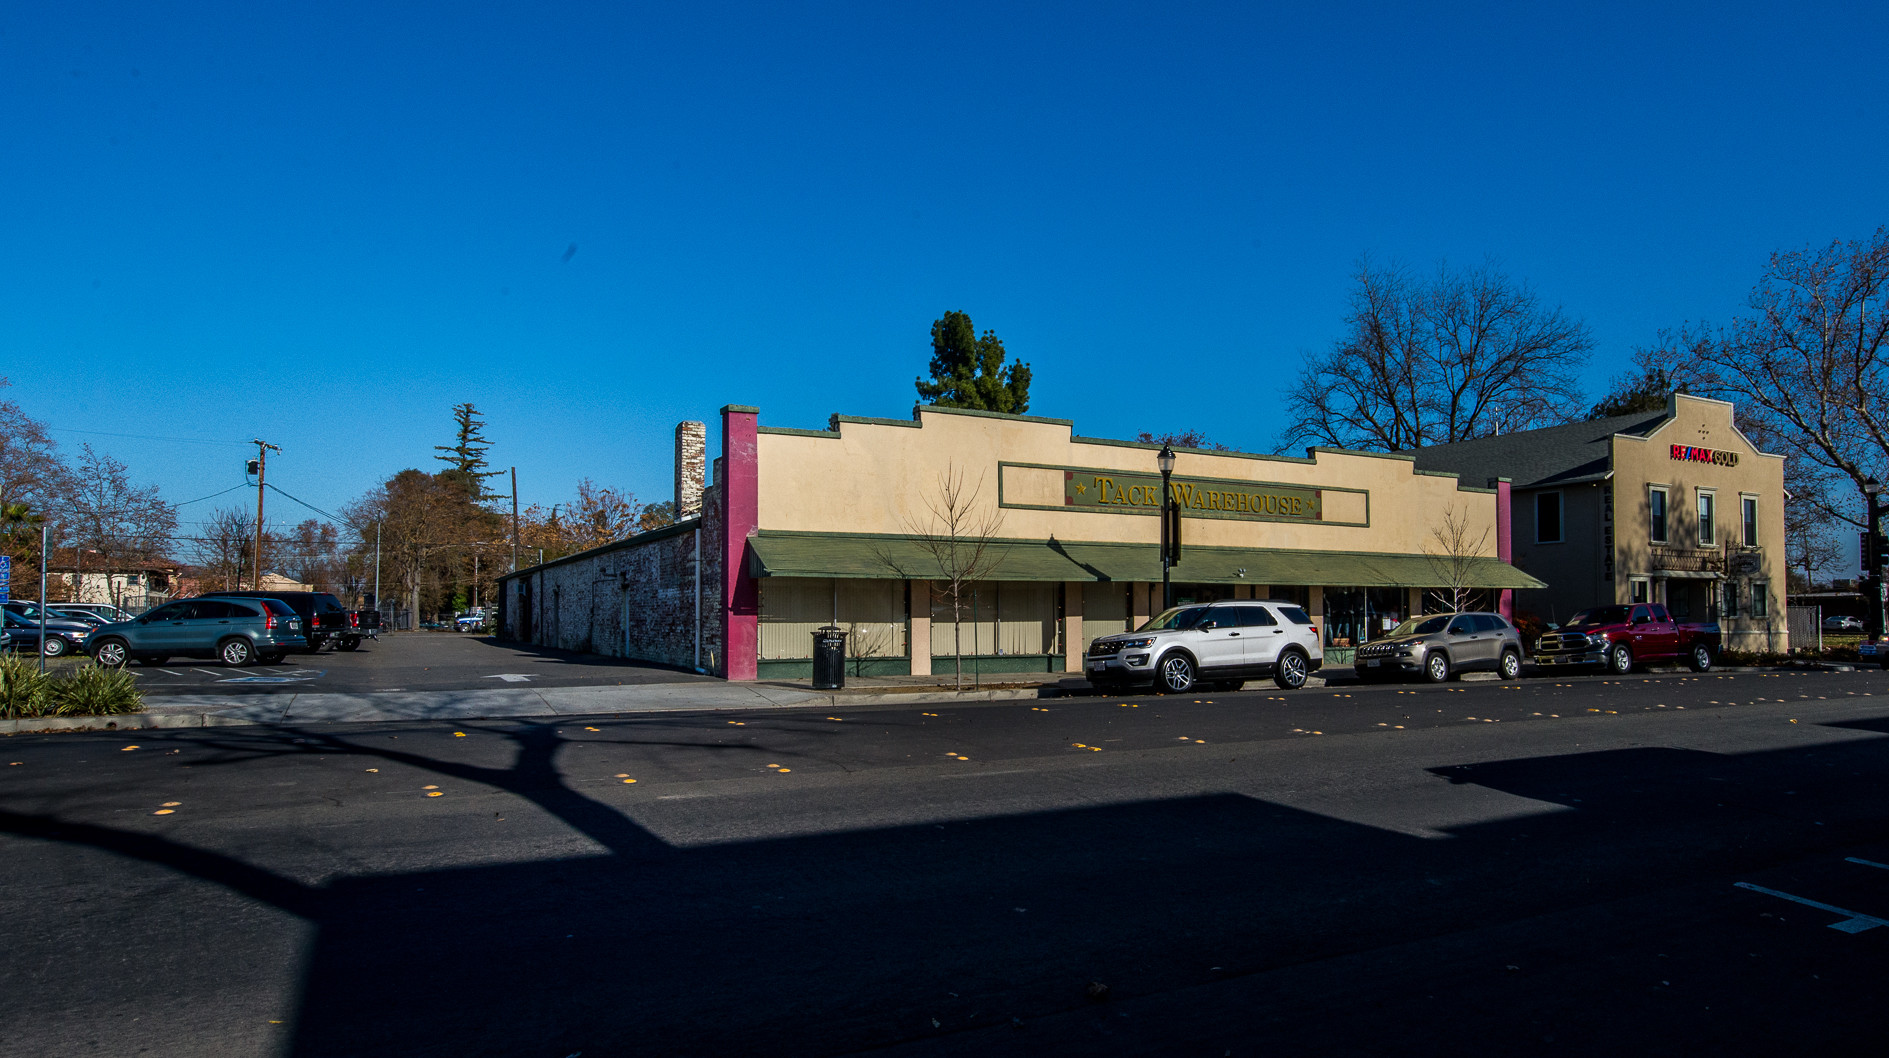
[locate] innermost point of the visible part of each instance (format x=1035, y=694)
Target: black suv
x=324, y=619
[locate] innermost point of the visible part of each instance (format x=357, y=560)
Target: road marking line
x=981, y=774
x=1857, y=922
x=207, y=672
x=510, y=677
x=168, y=672
x=1866, y=863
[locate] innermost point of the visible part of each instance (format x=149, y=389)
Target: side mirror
x=1207, y=626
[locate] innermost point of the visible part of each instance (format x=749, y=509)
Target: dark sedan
x=63, y=636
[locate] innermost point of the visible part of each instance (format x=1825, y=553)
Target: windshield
x=1600, y=615
x=1422, y=626
x=1181, y=617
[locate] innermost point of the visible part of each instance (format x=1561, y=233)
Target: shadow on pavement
x=938, y=936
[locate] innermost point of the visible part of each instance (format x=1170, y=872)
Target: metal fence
x=1806, y=626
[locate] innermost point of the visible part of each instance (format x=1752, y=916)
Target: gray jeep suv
x=1219, y=645
x=1442, y=645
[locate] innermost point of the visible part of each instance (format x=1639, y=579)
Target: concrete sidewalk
x=211, y=710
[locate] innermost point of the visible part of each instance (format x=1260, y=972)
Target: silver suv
x=1442, y=645
x=1218, y=645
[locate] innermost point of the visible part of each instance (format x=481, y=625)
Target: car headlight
x=1146, y=641
x=1596, y=639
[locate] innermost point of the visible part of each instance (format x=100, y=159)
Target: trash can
x=829, y=658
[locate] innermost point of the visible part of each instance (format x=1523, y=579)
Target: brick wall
x=635, y=598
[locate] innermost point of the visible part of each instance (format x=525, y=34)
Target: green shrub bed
x=84, y=690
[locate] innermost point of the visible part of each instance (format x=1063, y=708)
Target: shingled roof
x=1554, y=455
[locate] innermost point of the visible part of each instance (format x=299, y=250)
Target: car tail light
x=268, y=620
x=354, y=620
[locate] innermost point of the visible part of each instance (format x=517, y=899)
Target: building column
x=1505, y=543
x=740, y=484
x=1315, y=608
x=1073, y=640
x=918, y=638
x=1139, y=599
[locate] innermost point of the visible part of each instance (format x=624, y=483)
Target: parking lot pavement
x=408, y=661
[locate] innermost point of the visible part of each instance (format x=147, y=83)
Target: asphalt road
x=1547, y=867
x=424, y=661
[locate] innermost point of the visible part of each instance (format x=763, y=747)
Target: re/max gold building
x=1676, y=507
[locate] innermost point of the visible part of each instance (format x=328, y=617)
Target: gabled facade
x=1676, y=507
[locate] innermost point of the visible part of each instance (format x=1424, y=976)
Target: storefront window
x=1359, y=615
x=1104, y=609
x=1015, y=617
x=872, y=612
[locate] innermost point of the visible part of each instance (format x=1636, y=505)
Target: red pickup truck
x=1621, y=637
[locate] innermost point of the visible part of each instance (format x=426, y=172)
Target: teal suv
x=234, y=631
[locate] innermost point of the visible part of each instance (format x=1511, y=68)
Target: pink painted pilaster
x=1504, y=543
x=741, y=508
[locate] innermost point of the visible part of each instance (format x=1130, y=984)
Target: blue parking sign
x=6, y=577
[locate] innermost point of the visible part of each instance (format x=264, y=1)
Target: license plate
x=1374, y=663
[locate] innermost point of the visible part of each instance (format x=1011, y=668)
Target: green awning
x=784, y=554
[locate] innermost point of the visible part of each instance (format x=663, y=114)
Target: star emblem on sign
x=1080, y=489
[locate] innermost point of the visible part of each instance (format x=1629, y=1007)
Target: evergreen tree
x=969, y=372
x=1644, y=390
x=467, y=455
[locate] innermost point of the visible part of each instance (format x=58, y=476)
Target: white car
x=470, y=621
x=1219, y=644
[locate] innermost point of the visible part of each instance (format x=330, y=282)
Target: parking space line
x=207, y=672
x=1866, y=863
x=168, y=672
x=1856, y=922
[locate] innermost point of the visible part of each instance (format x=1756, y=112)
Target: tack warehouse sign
x=1716, y=457
x=1119, y=492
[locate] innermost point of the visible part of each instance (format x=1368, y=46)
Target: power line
x=147, y=437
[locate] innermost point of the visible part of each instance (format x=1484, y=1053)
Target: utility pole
x=377, y=568
x=514, y=519
x=42, y=597
x=263, y=448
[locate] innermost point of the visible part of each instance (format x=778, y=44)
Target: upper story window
x=1748, y=507
x=1708, y=526
x=1547, y=517
x=1656, y=509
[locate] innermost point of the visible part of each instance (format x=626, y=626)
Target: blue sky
x=325, y=225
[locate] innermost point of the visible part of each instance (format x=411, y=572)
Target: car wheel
x=1701, y=658
x=1436, y=666
x=1177, y=673
x=1291, y=671
x=112, y=653
x=1511, y=665
x=54, y=647
x=1620, y=660
x=236, y=652
x=349, y=643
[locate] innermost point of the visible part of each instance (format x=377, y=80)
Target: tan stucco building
x=1676, y=507
x=852, y=525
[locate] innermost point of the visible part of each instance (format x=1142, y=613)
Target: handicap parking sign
x=6, y=577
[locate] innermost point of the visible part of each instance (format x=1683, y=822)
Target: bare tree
x=1808, y=546
x=1463, y=354
x=1455, y=552
x=959, y=547
x=124, y=523
x=224, y=547
x=1807, y=368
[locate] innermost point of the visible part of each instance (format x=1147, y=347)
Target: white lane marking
x=168, y=672
x=510, y=677
x=1857, y=922
x=977, y=774
x=207, y=672
x=1866, y=863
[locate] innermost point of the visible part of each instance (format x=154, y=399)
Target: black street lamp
x=1168, y=526
x=1872, y=563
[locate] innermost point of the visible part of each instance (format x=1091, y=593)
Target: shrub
x=94, y=691
x=22, y=687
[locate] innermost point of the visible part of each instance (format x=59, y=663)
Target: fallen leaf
x=621, y=775
x=171, y=804
x=783, y=771
x=435, y=793
x=127, y=749
x=373, y=769
x=163, y=811
x=593, y=729
x=628, y=781
x=429, y=787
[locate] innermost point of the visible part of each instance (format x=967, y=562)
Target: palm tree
x=16, y=519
